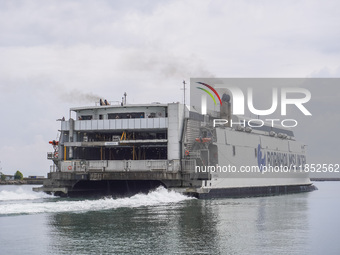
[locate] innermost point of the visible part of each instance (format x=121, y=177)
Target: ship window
x=100, y=116
x=234, y=150
x=129, y=115
x=85, y=117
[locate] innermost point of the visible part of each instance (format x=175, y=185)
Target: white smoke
x=165, y=64
x=78, y=96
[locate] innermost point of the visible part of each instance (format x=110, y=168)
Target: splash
x=21, y=194
x=160, y=196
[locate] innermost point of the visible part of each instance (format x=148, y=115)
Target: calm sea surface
x=165, y=222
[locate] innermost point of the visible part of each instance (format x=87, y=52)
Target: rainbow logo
x=209, y=93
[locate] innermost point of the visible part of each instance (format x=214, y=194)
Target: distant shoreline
x=23, y=182
x=13, y=182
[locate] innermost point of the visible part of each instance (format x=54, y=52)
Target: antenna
x=125, y=98
x=184, y=83
x=184, y=97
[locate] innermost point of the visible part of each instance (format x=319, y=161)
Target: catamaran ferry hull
x=126, y=149
x=249, y=191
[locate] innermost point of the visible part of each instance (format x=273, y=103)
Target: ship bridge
x=129, y=132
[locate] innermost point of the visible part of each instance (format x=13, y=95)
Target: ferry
x=121, y=149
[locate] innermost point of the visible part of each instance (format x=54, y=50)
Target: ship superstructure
x=123, y=149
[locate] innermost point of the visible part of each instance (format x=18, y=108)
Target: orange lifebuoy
x=69, y=168
x=56, y=154
x=203, y=140
x=187, y=153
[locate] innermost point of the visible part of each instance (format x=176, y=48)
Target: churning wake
x=34, y=203
x=21, y=194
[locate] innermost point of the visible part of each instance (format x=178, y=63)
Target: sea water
x=166, y=222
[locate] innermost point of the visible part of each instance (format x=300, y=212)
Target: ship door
x=213, y=153
x=205, y=157
x=127, y=165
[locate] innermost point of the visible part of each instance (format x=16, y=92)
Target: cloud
x=326, y=72
x=29, y=157
x=61, y=54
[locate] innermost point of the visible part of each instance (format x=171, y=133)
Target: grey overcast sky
x=60, y=54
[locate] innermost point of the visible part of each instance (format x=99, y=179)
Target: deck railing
x=120, y=124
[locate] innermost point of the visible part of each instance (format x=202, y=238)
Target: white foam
x=21, y=194
x=158, y=197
